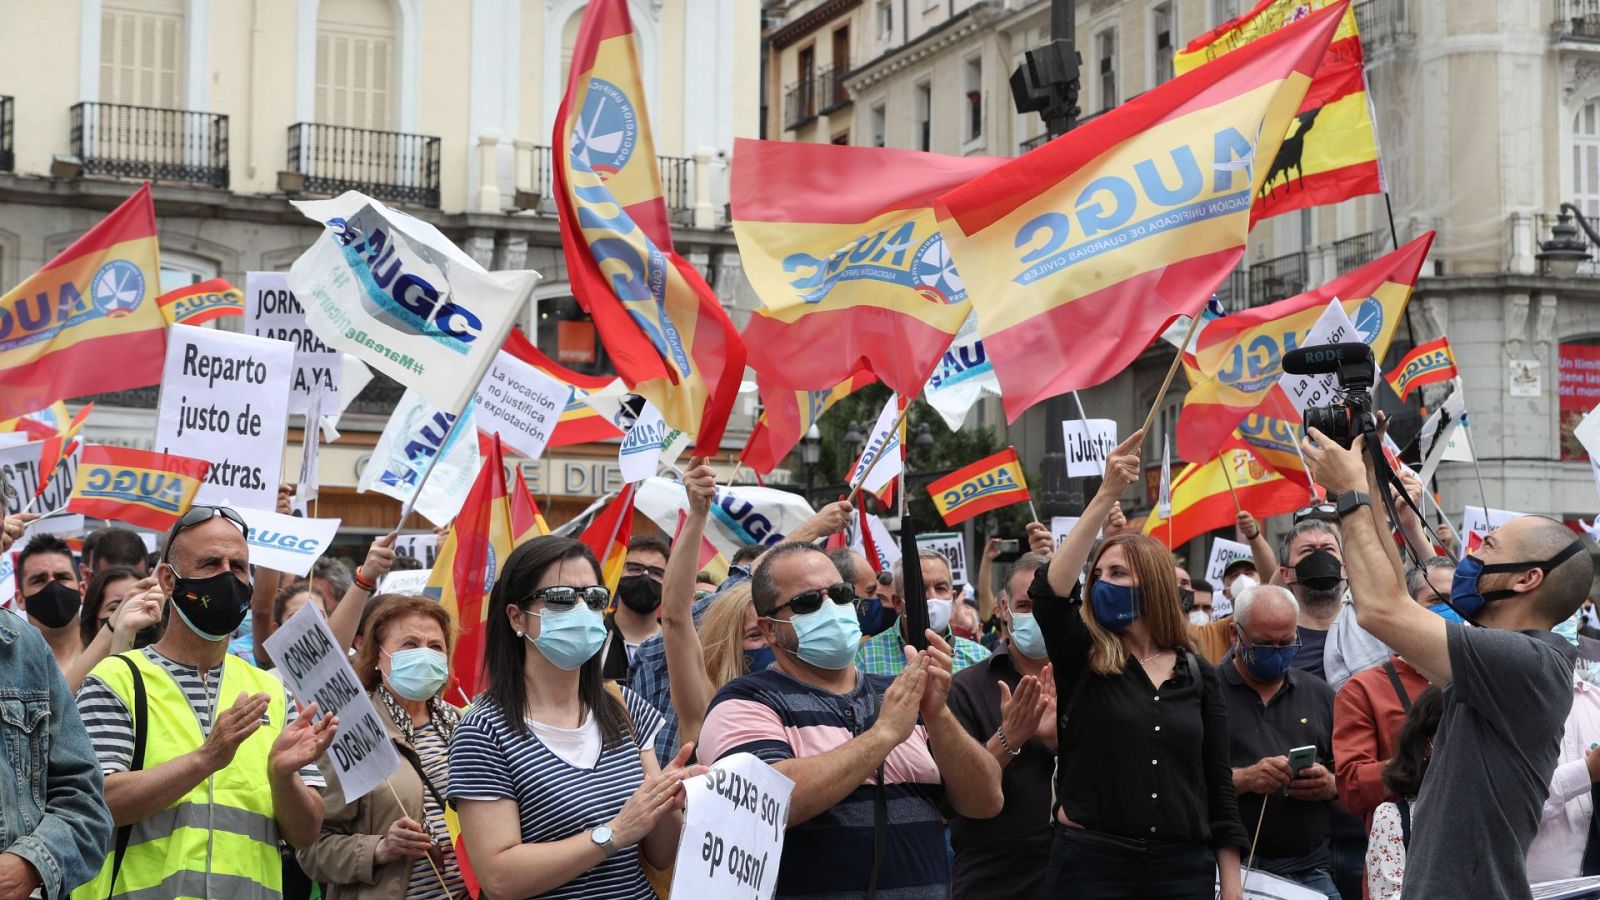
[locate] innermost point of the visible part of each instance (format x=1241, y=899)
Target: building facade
x=1488, y=119
x=234, y=107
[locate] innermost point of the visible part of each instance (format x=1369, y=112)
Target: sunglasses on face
x=561, y=597
x=811, y=601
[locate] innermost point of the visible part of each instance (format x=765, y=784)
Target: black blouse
x=1134, y=760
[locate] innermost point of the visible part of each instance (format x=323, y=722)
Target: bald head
x=1558, y=591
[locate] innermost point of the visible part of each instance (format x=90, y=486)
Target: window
x=1223, y=10
x=973, y=75
x=880, y=124
x=180, y=269
x=929, y=6
x=141, y=53
x=355, y=50
x=1161, y=27
x=924, y=106
x=806, y=78
x=565, y=333
x=1106, y=52
x=1586, y=159
x=842, y=139
x=885, y=22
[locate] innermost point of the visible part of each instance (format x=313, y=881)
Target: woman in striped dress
x=554, y=776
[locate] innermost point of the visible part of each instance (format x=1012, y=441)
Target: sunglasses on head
x=200, y=513
x=559, y=597
x=811, y=601
x=1325, y=511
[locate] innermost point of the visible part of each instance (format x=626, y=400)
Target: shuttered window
x=355, y=60
x=141, y=53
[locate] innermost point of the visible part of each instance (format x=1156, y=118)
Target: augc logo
x=891, y=256
x=607, y=130
x=118, y=288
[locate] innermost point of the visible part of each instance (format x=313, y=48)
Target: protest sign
x=648, y=444
x=286, y=543
x=411, y=581
x=225, y=397
x=1060, y=527
x=19, y=479
x=305, y=489
x=1259, y=885
x=271, y=311
x=421, y=547
x=520, y=403
x=1088, y=443
x=1332, y=327
x=733, y=829
x=739, y=515
x=1223, y=553
x=315, y=669
x=417, y=432
x=1479, y=521
x=954, y=547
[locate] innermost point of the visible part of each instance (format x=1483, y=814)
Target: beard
x=1321, y=598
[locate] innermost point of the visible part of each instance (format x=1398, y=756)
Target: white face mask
x=1241, y=584
x=1199, y=617
x=939, y=615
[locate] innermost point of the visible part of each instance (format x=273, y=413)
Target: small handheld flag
x=139, y=487
x=1430, y=363
x=989, y=483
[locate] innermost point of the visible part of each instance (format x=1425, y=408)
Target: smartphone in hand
x=1302, y=757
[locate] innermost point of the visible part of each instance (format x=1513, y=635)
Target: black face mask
x=1321, y=571
x=211, y=607
x=640, y=593
x=55, y=605
x=1185, y=599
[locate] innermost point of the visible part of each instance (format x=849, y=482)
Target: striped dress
x=556, y=800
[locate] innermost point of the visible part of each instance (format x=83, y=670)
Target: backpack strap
x=1405, y=822
x=1399, y=686
x=141, y=728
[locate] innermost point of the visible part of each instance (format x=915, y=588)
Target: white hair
x=1247, y=599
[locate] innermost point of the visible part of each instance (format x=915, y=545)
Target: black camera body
x=1352, y=365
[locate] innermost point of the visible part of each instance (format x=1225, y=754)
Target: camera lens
x=1333, y=421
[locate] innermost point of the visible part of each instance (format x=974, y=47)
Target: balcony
x=678, y=181
x=1383, y=23
x=1577, y=21
x=800, y=104
x=1233, y=293
x=1354, y=252
x=175, y=145
x=1283, y=276
x=831, y=90
x=1544, y=222
x=388, y=165
x=1033, y=143
x=8, y=160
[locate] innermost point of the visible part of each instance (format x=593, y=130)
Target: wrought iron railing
x=1279, y=277
x=830, y=90
x=1544, y=222
x=147, y=142
x=1234, y=292
x=1579, y=19
x=8, y=160
x=677, y=184
x=1381, y=22
x=799, y=103
x=1353, y=252
x=388, y=165
x=1033, y=142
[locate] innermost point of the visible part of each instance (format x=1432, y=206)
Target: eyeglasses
x=811, y=601
x=596, y=596
x=1317, y=511
x=1246, y=641
x=655, y=572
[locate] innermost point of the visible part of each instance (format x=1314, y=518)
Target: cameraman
x=1509, y=680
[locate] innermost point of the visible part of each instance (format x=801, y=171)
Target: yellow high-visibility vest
x=220, y=839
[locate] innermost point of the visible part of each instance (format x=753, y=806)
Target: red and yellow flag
x=989, y=483
x=608, y=536
x=139, y=487
x=580, y=423
x=842, y=246
x=1237, y=359
x=787, y=415
x=87, y=322
x=1078, y=253
x=1331, y=151
x=193, y=304
x=1275, y=442
x=42, y=424
x=57, y=447
x=481, y=538
x=1430, y=363
x=669, y=337
x=1201, y=500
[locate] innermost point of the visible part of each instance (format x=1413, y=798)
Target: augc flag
x=670, y=339
x=1238, y=358
x=1430, y=363
x=1077, y=253
x=193, y=304
x=580, y=422
x=788, y=415
x=843, y=248
x=139, y=487
x=1201, y=501
x=989, y=483
x=1331, y=150
x=87, y=322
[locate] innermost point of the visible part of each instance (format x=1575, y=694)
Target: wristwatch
x=601, y=835
x=1350, y=501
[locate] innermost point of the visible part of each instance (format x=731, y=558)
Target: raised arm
x=1260, y=548
x=1411, y=526
x=1122, y=469
x=141, y=610
x=686, y=660
x=346, y=618
x=263, y=588
x=830, y=519
x=1372, y=565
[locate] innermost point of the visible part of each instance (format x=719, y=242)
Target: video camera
x=1352, y=365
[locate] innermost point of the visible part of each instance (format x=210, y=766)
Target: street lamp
x=852, y=435
x=1565, y=251
x=810, y=453
x=923, y=440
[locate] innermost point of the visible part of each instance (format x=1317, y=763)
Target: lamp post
x=1565, y=251
x=810, y=453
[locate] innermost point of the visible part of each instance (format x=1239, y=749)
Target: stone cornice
x=810, y=22
x=949, y=33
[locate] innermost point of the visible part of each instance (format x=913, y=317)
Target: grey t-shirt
x=1492, y=761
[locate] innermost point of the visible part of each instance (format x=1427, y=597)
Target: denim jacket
x=54, y=810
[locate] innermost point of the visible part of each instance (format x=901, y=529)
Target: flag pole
x=1483, y=496
x=1229, y=479
x=1177, y=360
x=1311, y=491
x=424, y=823
x=405, y=509
x=855, y=489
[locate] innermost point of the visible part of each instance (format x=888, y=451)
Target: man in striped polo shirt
x=863, y=750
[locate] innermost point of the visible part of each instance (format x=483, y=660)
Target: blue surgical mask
x=1446, y=613
x=828, y=637
x=418, y=673
x=1469, y=600
x=1113, y=605
x=759, y=660
x=1026, y=636
x=1266, y=663
x=1568, y=630
x=570, y=637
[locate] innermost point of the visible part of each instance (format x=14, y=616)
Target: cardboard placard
x=520, y=403
x=954, y=547
x=271, y=311
x=1088, y=443
x=1223, y=553
x=733, y=830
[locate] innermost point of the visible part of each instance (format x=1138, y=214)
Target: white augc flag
x=395, y=292
x=739, y=515
x=883, y=442
x=416, y=433
x=963, y=375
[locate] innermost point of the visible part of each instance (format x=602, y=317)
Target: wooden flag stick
x=1177, y=360
x=855, y=489
x=424, y=823
x=1229, y=479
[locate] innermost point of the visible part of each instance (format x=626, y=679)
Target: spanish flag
x=608, y=536
x=1275, y=442
x=1330, y=152
x=1078, y=253
x=87, y=322
x=42, y=424
x=669, y=337
x=193, y=304
x=1237, y=359
x=580, y=423
x=139, y=487
x=58, y=447
x=1202, y=502
x=842, y=246
x=1430, y=363
x=989, y=483
x=788, y=415
x=489, y=526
